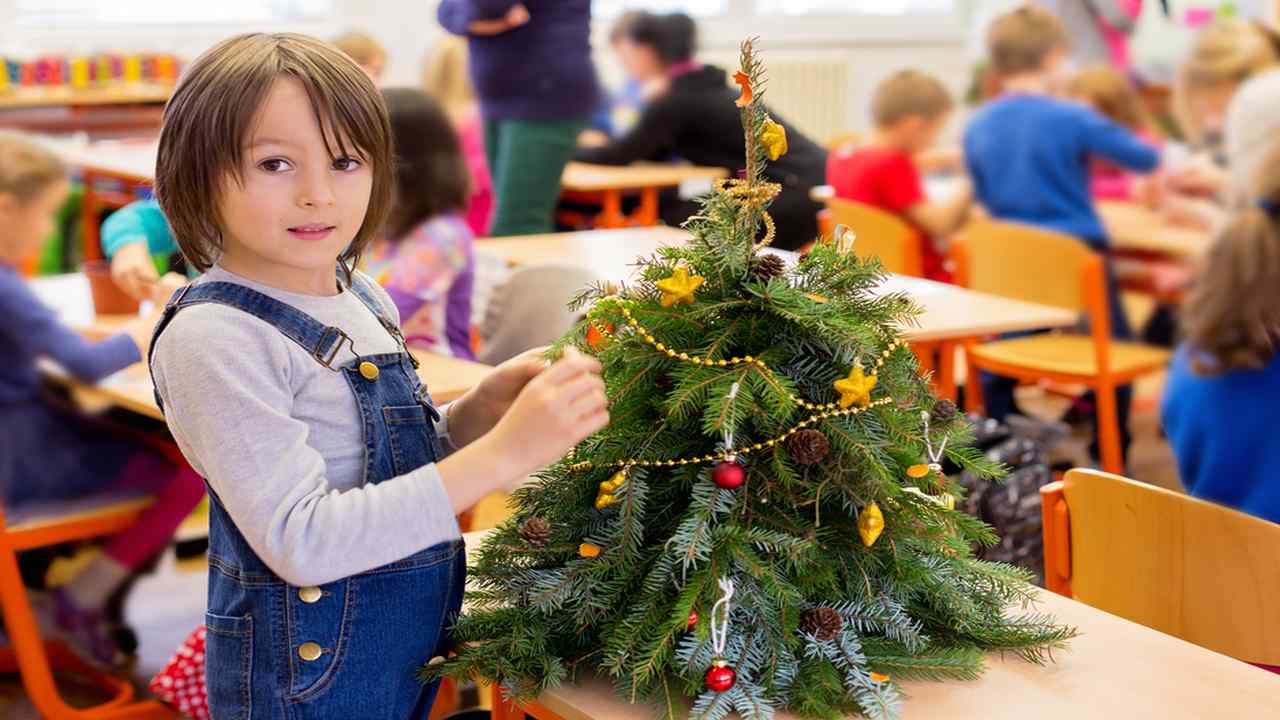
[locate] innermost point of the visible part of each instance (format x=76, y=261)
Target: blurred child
x=336, y=562
x=132, y=237
x=1029, y=156
x=48, y=452
x=909, y=109
x=367, y=52
x=1112, y=95
x=426, y=259
x=1222, y=399
x=446, y=79
x=621, y=108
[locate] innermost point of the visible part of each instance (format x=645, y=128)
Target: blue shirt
x=141, y=221
x=1029, y=159
x=1223, y=433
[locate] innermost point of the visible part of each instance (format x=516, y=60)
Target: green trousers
x=526, y=159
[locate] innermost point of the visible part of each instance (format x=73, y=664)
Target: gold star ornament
x=774, y=139
x=856, y=388
x=679, y=288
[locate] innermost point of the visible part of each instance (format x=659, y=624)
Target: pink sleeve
x=470, y=133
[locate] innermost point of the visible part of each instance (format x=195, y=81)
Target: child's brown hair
x=1232, y=318
x=1021, y=39
x=906, y=93
x=26, y=168
x=431, y=174
x=1110, y=93
x=209, y=116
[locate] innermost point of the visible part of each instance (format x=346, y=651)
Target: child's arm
x=37, y=329
x=939, y=218
x=130, y=237
x=481, y=17
x=1117, y=144
x=228, y=392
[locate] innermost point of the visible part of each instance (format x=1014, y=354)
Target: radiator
x=811, y=91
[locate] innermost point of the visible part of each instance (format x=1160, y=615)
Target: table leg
x=92, y=244
x=946, y=385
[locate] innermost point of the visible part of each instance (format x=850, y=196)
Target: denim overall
x=349, y=649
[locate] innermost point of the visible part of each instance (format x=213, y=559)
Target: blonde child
x=1222, y=400
x=335, y=560
x=367, y=52
x=48, y=451
x=909, y=110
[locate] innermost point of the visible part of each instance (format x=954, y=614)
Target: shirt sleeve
x=900, y=185
x=229, y=407
x=1113, y=142
x=651, y=138
x=138, y=222
x=38, y=329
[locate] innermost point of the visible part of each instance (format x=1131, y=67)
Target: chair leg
x=946, y=385
x=1108, y=419
x=35, y=662
x=972, y=386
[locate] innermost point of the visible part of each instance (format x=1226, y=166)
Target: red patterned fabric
x=181, y=682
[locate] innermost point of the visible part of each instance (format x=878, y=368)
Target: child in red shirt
x=909, y=109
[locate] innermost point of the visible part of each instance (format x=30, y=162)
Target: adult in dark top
x=695, y=119
x=531, y=66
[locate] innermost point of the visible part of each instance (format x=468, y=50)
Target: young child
x=48, y=452
x=132, y=237
x=446, y=79
x=1029, y=155
x=1112, y=95
x=335, y=560
x=1220, y=404
x=367, y=52
x=909, y=109
x=426, y=258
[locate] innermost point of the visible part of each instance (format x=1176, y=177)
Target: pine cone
x=943, y=411
x=808, y=446
x=768, y=266
x=823, y=623
x=536, y=531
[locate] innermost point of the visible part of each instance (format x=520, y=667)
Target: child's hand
x=133, y=271
x=479, y=410
x=554, y=411
x=166, y=287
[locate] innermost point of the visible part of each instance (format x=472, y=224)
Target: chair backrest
x=1023, y=262
x=529, y=309
x=881, y=234
x=1186, y=567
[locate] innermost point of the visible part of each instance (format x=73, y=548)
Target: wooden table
x=1114, y=669
x=1137, y=229
x=606, y=184
x=447, y=377
x=611, y=254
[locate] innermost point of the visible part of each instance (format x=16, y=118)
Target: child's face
x=640, y=62
x=296, y=209
x=1209, y=105
x=916, y=132
x=28, y=224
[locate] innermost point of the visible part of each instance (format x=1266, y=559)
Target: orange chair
x=1035, y=265
x=29, y=654
x=881, y=234
x=1177, y=564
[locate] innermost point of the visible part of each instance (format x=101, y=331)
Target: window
x=696, y=8
x=71, y=13
x=854, y=7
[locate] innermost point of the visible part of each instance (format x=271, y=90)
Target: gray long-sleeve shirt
x=279, y=439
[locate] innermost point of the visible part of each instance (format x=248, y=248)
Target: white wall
x=873, y=46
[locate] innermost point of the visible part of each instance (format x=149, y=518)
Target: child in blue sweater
x=1029, y=155
x=1222, y=402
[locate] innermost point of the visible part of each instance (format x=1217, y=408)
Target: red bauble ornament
x=729, y=474
x=720, y=677
x=693, y=619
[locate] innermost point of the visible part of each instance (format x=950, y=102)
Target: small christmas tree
x=765, y=523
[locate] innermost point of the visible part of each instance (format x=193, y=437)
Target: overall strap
x=363, y=289
x=320, y=341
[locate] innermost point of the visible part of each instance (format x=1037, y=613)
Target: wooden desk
x=1114, y=669
x=1134, y=228
x=606, y=185
x=611, y=254
x=447, y=377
